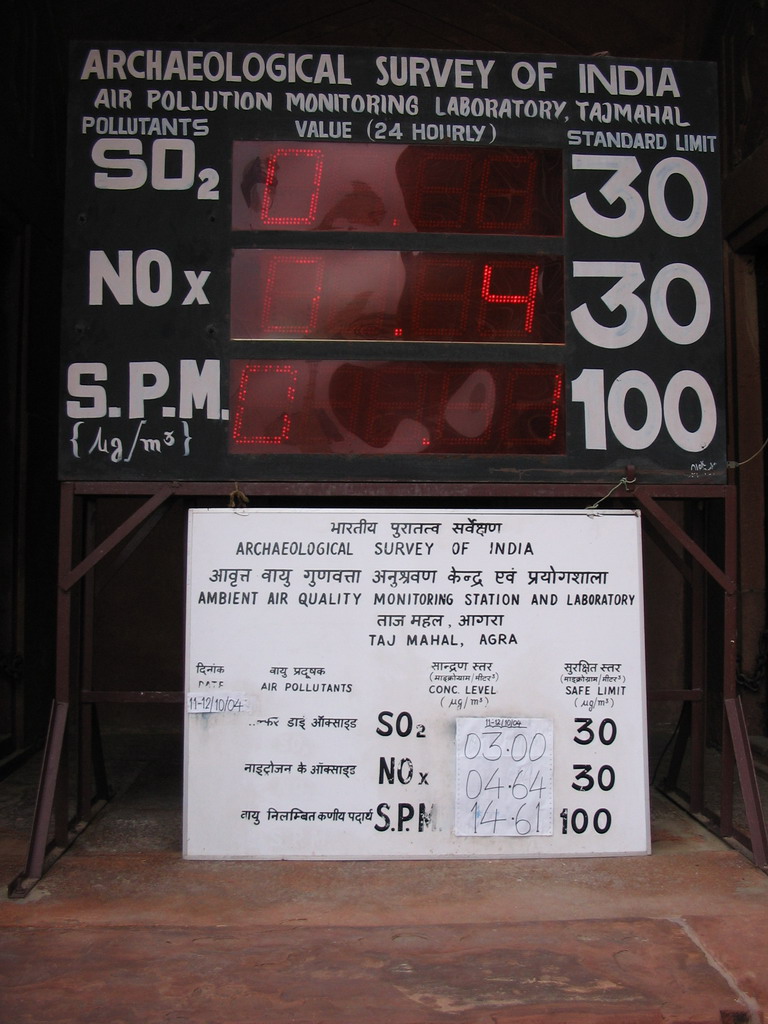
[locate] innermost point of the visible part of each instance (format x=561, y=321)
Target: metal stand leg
x=49, y=777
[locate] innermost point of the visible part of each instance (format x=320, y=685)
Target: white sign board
x=414, y=684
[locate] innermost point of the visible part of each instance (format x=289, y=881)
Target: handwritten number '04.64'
x=474, y=785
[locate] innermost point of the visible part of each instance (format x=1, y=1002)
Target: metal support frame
x=74, y=685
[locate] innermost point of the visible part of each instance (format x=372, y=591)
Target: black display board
x=309, y=264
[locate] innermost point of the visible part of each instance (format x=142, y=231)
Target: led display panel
x=301, y=263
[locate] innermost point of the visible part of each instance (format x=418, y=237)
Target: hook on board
x=237, y=498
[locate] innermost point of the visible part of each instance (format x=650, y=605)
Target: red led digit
x=507, y=192
x=292, y=291
x=398, y=393
x=528, y=298
x=389, y=406
x=533, y=407
x=465, y=409
x=442, y=289
x=555, y=407
x=263, y=401
x=348, y=396
x=439, y=198
x=296, y=202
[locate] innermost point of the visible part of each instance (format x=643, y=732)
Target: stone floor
x=123, y=930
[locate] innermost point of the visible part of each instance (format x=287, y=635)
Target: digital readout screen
x=419, y=294
x=279, y=186
x=403, y=408
x=396, y=296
